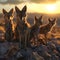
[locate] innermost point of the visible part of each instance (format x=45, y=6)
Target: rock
x=51, y=46
x=58, y=48
x=3, y=48
x=54, y=57
x=37, y=57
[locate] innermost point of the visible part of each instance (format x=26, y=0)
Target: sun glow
x=44, y=8
x=51, y=8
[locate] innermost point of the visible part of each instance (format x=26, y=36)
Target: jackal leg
x=46, y=39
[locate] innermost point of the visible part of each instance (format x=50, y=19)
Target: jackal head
x=21, y=13
x=7, y=14
x=38, y=21
x=52, y=21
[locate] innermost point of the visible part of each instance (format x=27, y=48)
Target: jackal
x=35, y=27
x=21, y=28
x=8, y=24
x=44, y=29
x=34, y=30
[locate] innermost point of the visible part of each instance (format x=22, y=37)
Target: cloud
x=43, y=1
x=10, y=1
x=21, y=1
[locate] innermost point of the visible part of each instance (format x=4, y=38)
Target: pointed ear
x=17, y=9
x=4, y=11
x=49, y=19
x=24, y=8
x=36, y=18
x=54, y=19
x=11, y=11
x=40, y=17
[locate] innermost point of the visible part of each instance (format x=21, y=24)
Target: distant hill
x=45, y=17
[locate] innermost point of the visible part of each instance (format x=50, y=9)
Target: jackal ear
x=36, y=18
x=54, y=19
x=49, y=19
x=40, y=17
x=17, y=9
x=11, y=11
x=24, y=9
x=4, y=11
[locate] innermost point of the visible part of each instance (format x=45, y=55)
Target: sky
x=38, y=6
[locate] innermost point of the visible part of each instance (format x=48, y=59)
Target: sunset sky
x=39, y=6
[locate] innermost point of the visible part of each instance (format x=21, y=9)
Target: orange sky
x=49, y=8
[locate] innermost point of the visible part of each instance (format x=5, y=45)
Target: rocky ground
x=50, y=51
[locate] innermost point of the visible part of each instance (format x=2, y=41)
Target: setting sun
x=51, y=8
